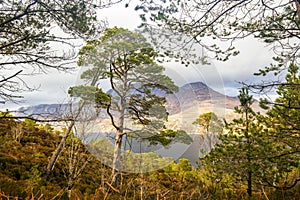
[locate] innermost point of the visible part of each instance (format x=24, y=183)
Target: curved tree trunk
x=119, y=130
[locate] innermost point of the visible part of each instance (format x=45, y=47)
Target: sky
x=221, y=76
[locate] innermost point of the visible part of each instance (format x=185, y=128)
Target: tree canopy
x=208, y=23
x=137, y=103
x=260, y=150
x=30, y=29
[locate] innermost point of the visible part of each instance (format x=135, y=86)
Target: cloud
x=221, y=76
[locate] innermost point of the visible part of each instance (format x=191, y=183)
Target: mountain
x=183, y=107
x=44, y=109
x=192, y=94
x=187, y=97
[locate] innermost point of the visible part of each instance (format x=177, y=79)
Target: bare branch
x=12, y=76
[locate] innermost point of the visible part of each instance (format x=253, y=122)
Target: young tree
x=239, y=153
x=211, y=124
x=259, y=151
x=126, y=59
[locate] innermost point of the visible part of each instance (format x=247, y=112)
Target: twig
x=111, y=187
x=6, y=79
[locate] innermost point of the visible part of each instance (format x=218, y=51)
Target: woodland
x=256, y=155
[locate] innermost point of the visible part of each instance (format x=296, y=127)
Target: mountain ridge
x=185, y=98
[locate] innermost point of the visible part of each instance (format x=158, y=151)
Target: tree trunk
x=208, y=135
x=61, y=145
x=249, y=179
x=69, y=193
x=116, y=157
x=249, y=189
x=58, y=149
x=119, y=135
x=297, y=2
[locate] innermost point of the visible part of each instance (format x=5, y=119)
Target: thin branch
x=12, y=76
x=283, y=105
x=112, y=187
x=283, y=187
x=216, y=19
x=20, y=15
x=112, y=118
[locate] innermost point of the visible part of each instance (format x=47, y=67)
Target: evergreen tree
x=239, y=155
x=282, y=127
x=260, y=150
x=211, y=124
x=126, y=59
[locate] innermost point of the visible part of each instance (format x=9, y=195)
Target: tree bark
x=61, y=145
x=119, y=129
x=249, y=178
x=54, y=157
x=249, y=189
x=297, y=2
x=116, y=158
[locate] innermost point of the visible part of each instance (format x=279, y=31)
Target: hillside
x=184, y=107
x=82, y=170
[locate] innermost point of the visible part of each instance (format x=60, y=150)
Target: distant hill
x=44, y=109
x=188, y=96
x=184, y=107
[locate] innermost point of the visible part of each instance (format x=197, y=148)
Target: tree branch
x=7, y=78
x=283, y=187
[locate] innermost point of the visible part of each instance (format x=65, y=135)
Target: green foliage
x=30, y=124
x=242, y=150
x=22, y=164
x=259, y=151
x=210, y=122
x=168, y=136
x=282, y=128
x=23, y=161
x=90, y=94
x=127, y=60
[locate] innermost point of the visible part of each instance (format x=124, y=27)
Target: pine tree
x=239, y=155
x=127, y=60
x=282, y=127
x=211, y=124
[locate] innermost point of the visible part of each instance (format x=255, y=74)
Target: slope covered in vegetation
x=26, y=148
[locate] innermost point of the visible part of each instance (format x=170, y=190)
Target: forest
x=110, y=144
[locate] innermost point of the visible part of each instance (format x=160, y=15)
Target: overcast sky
x=221, y=76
